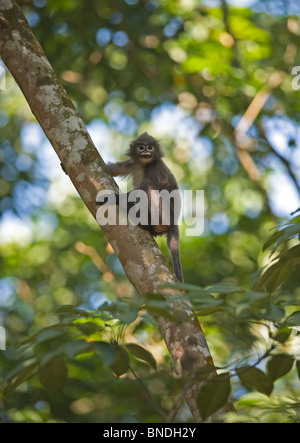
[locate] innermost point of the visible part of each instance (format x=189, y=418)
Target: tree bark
x=143, y=262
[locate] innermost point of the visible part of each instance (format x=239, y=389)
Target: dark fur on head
x=145, y=140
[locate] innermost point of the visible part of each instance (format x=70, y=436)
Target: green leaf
x=282, y=235
x=49, y=355
x=203, y=373
x=157, y=311
x=273, y=313
x=142, y=353
x=71, y=310
x=213, y=395
x=107, y=352
x=53, y=375
x=203, y=300
x=282, y=335
x=208, y=311
x=271, y=240
x=254, y=378
x=224, y=289
x=121, y=311
x=49, y=334
x=293, y=319
x=279, y=276
x=23, y=376
x=77, y=347
x=274, y=276
x=121, y=363
x=279, y=365
x=184, y=286
x=194, y=64
x=88, y=328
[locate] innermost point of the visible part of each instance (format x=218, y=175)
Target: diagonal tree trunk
x=142, y=260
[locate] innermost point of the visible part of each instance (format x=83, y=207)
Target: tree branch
x=138, y=253
x=224, y=6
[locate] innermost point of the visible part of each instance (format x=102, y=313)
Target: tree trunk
x=143, y=262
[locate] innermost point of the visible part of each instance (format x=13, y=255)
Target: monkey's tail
x=173, y=245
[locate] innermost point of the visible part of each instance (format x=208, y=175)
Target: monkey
x=150, y=173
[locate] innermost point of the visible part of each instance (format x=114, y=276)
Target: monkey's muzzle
x=146, y=157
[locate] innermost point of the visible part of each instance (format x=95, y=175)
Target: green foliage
x=256, y=379
x=279, y=365
x=141, y=354
x=53, y=374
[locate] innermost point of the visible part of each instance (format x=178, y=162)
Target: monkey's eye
x=149, y=148
x=141, y=148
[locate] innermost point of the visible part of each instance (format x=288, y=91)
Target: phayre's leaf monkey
x=150, y=173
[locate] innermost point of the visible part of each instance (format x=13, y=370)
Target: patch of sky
x=219, y=223
x=120, y=38
x=103, y=36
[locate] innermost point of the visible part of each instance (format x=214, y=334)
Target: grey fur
x=149, y=172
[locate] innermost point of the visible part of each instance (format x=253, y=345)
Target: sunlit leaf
x=73, y=310
x=282, y=235
x=142, y=354
x=273, y=313
x=293, y=319
x=107, y=352
x=77, y=347
x=274, y=276
x=282, y=335
x=298, y=368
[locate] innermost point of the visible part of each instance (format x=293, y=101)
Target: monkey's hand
x=120, y=168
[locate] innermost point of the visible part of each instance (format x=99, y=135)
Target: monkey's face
x=145, y=153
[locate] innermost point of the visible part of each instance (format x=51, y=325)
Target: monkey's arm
x=120, y=168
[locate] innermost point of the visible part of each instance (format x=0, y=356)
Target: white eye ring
x=141, y=148
x=149, y=148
